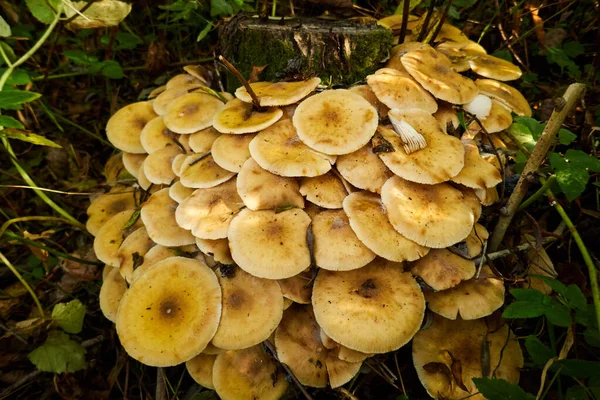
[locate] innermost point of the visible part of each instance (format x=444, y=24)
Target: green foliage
x=538, y=351
x=14, y=99
x=500, y=389
x=26, y=136
x=4, y=28
x=10, y=122
x=58, y=354
x=43, y=10
x=564, y=57
x=109, y=68
x=69, y=316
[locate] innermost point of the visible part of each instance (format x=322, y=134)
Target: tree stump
x=339, y=52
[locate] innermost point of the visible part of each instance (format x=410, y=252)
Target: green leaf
x=555, y=284
x=12, y=99
x=557, y=162
x=19, y=77
x=558, y=314
x=29, y=137
x=538, y=351
x=4, y=28
x=576, y=297
x=528, y=295
x=112, y=69
x=500, y=389
x=58, y=354
x=43, y=10
x=576, y=393
x=592, y=337
x=69, y=316
x=524, y=309
x=504, y=54
x=573, y=49
x=204, y=32
x=220, y=7
x=583, y=160
x=8, y=52
x=578, y=368
x=522, y=134
x=80, y=57
x=127, y=41
x=572, y=181
x=535, y=127
x=587, y=316
x=565, y=136
x=10, y=122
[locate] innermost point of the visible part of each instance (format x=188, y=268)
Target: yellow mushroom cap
x=456, y=345
x=326, y=191
x=340, y=371
x=476, y=239
x=111, y=235
x=184, y=81
x=336, y=247
x=441, y=269
x=472, y=299
x=252, y=309
x=170, y=313
x=201, y=142
x=335, y=121
x=124, y=128
x=278, y=93
x=238, y=117
x=179, y=193
x=442, y=159
x=450, y=32
x=278, y=149
x=106, y=206
x=505, y=95
x=397, y=89
x=132, y=251
x=200, y=369
x=434, y=72
x=398, y=51
x=132, y=162
x=432, y=215
x=249, y=374
x=156, y=91
x=447, y=117
x=366, y=93
x=477, y=173
x=156, y=135
x=364, y=169
x=350, y=355
x=298, y=288
x=192, y=112
x=162, y=101
x=498, y=119
x=142, y=179
x=218, y=249
x=111, y=292
x=374, y=309
x=487, y=196
x=158, y=214
x=157, y=166
x=494, y=68
x=153, y=256
x=208, y=212
x=270, y=245
x=262, y=190
x=201, y=171
x=370, y=223
x=230, y=152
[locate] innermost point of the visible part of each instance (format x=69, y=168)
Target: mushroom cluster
x=324, y=221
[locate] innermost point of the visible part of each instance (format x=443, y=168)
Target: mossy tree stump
x=339, y=52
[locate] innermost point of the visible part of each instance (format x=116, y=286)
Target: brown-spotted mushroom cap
x=153, y=256
x=397, y=89
x=270, y=245
x=278, y=149
x=192, y=112
x=298, y=288
x=278, y=93
x=201, y=142
x=472, y=299
x=179, y=193
x=184, y=81
x=476, y=240
x=336, y=247
x=364, y=169
x=369, y=221
x=156, y=135
x=156, y=91
x=238, y=117
x=162, y=101
x=262, y=190
x=170, y=313
x=340, y=371
x=335, y=121
x=201, y=171
x=398, y=51
x=218, y=249
x=446, y=345
x=111, y=292
x=208, y=212
x=106, y=206
x=249, y=374
x=110, y=236
x=439, y=161
x=477, y=173
x=142, y=179
x=124, y=128
x=252, y=309
x=374, y=309
x=435, y=216
x=230, y=152
x=326, y=191
x=494, y=68
x=200, y=369
x=434, y=72
x=366, y=93
x=505, y=95
x=157, y=166
x=158, y=214
x=497, y=120
x=441, y=269
x=132, y=251
x=132, y=162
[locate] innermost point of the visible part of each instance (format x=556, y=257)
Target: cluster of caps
x=306, y=219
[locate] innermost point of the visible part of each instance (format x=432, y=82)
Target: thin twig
x=512, y=250
x=244, y=82
x=404, y=26
x=425, y=26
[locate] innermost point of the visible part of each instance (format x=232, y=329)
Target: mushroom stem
x=413, y=140
x=273, y=352
x=244, y=82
